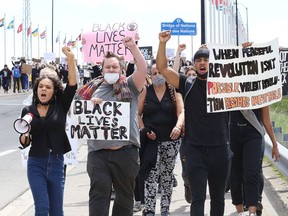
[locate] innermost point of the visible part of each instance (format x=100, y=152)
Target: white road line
x=7, y=152
x=1, y=104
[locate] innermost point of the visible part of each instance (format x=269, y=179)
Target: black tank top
x=159, y=116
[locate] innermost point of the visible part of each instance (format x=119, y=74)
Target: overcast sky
x=266, y=21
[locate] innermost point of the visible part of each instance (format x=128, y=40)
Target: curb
x=276, y=187
x=24, y=202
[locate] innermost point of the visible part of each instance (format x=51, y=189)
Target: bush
x=278, y=114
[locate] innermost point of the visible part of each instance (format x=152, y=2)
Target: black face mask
x=202, y=76
x=51, y=101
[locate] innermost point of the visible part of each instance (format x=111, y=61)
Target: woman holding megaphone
x=48, y=139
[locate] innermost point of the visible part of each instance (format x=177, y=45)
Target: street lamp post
x=246, y=8
x=236, y=4
x=237, y=36
x=52, y=24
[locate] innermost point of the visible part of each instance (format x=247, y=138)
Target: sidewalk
x=77, y=190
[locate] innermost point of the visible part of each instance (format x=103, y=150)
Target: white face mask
x=111, y=78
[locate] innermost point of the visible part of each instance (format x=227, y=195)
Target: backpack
x=188, y=85
x=16, y=72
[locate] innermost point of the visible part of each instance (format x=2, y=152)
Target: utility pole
x=26, y=24
x=203, y=24
x=52, y=24
x=237, y=36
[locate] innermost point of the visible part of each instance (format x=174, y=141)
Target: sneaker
x=245, y=208
x=175, y=183
x=138, y=206
x=144, y=213
x=112, y=195
x=259, y=209
x=166, y=213
x=159, y=189
x=187, y=194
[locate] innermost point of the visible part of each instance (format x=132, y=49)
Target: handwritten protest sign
x=284, y=69
x=98, y=43
x=147, y=52
x=116, y=26
x=170, y=53
x=109, y=120
x=243, y=78
x=49, y=57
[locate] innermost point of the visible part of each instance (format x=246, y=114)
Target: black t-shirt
x=237, y=117
x=6, y=74
x=202, y=128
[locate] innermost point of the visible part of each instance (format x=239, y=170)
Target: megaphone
x=22, y=125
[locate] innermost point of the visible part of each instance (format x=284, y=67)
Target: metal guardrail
x=282, y=164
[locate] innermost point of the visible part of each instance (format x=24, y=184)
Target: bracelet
x=179, y=128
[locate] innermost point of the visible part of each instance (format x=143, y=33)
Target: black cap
x=201, y=53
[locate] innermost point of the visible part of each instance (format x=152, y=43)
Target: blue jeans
x=46, y=179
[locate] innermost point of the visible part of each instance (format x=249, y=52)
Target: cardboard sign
x=26, y=68
x=109, y=120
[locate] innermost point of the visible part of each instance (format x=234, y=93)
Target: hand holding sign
x=247, y=44
x=96, y=100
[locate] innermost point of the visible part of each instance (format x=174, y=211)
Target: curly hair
x=171, y=90
x=58, y=88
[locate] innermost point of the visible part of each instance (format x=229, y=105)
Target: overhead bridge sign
x=179, y=27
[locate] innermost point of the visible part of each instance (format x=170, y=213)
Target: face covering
x=158, y=80
x=203, y=76
x=111, y=78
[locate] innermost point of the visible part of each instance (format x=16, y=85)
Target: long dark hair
x=58, y=88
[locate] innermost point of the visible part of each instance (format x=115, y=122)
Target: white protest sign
x=243, y=78
x=109, y=120
x=49, y=57
x=170, y=53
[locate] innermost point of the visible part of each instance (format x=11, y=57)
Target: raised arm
x=177, y=59
x=139, y=75
x=170, y=75
x=141, y=100
x=71, y=66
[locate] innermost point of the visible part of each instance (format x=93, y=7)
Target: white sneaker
x=138, y=206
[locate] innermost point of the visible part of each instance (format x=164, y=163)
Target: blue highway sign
x=179, y=27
